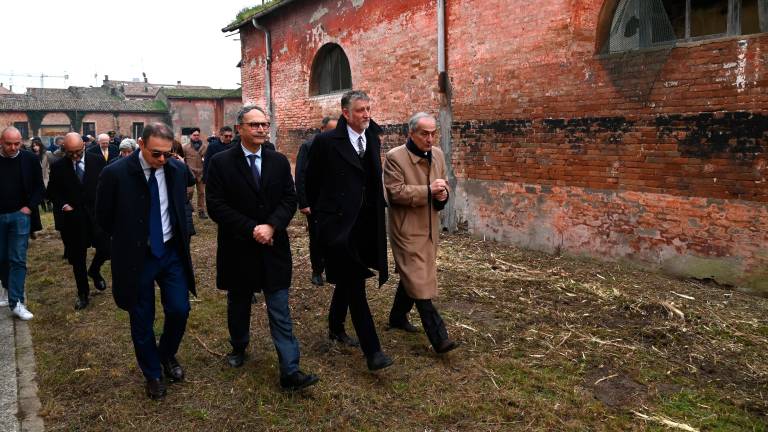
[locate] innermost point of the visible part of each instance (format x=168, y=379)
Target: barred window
x=330, y=71
x=640, y=24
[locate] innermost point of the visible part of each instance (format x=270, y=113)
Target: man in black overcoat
x=252, y=199
x=140, y=203
x=72, y=189
x=345, y=193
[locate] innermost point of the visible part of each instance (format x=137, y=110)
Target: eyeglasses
x=157, y=153
x=256, y=125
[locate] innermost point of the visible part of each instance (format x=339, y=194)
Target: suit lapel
x=241, y=163
x=344, y=147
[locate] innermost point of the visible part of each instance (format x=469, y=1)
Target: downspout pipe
x=268, y=79
x=445, y=118
x=442, y=75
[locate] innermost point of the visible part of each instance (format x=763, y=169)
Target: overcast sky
x=169, y=40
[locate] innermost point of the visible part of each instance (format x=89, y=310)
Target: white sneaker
x=3, y=297
x=21, y=311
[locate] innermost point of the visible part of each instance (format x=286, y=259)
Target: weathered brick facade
x=655, y=156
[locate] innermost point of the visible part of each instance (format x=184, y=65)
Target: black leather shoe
x=172, y=370
x=378, y=360
x=155, y=389
x=317, y=279
x=446, y=345
x=405, y=326
x=297, y=381
x=236, y=359
x=81, y=303
x=343, y=338
x=98, y=282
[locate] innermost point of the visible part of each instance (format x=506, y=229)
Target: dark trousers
x=337, y=313
x=77, y=260
x=354, y=291
x=315, y=254
x=168, y=272
x=433, y=324
x=280, y=325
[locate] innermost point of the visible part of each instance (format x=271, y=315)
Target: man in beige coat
x=194, y=152
x=414, y=178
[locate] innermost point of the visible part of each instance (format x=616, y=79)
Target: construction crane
x=42, y=76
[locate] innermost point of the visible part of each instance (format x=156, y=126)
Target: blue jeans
x=280, y=326
x=14, y=241
x=168, y=271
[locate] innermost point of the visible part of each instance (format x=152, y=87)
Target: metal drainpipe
x=445, y=117
x=268, y=81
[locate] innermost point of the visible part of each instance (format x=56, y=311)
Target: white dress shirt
x=353, y=138
x=258, y=157
x=165, y=214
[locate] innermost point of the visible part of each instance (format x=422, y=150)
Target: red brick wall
x=125, y=122
x=655, y=156
x=209, y=115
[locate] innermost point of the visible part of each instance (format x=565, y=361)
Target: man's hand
x=439, y=189
x=26, y=210
x=67, y=208
x=263, y=234
x=305, y=211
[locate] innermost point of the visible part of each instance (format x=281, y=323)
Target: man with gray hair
x=21, y=190
x=127, y=147
x=345, y=194
x=414, y=177
x=104, y=148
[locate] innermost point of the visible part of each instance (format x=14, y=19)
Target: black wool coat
x=237, y=205
x=335, y=187
x=122, y=210
x=78, y=227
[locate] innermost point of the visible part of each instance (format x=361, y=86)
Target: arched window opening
x=638, y=24
x=330, y=71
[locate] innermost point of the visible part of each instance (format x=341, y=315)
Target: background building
x=620, y=129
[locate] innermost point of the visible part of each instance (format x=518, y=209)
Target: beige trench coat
x=414, y=225
x=194, y=158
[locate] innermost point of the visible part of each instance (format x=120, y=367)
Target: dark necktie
x=360, y=148
x=156, y=243
x=255, y=169
x=79, y=170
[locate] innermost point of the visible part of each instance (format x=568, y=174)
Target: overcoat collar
x=241, y=164
x=344, y=147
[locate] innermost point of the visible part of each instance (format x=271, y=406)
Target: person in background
x=178, y=153
x=195, y=152
x=107, y=150
x=127, y=147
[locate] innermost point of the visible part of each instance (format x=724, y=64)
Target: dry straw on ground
x=549, y=343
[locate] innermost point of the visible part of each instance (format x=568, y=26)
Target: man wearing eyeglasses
x=21, y=190
x=72, y=189
x=140, y=203
x=214, y=146
x=252, y=199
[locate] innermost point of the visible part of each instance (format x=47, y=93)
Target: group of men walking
x=134, y=211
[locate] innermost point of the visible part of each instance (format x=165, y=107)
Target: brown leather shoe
x=446, y=345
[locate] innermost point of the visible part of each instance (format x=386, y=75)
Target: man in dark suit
x=252, y=199
x=337, y=312
x=72, y=188
x=21, y=190
x=345, y=193
x=105, y=149
x=216, y=145
x=140, y=203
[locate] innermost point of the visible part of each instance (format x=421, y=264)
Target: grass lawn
x=548, y=343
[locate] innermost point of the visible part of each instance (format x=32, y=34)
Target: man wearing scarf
x=414, y=178
x=194, y=152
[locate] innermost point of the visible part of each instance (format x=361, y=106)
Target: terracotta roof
x=132, y=89
x=209, y=93
x=4, y=90
x=93, y=99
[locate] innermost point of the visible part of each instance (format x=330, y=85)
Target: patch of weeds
x=708, y=411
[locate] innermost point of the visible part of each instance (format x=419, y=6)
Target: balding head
x=103, y=140
x=10, y=141
x=73, y=145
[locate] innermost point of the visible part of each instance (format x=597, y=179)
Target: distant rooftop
x=142, y=89
x=202, y=93
x=246, y=14
x=93, y=99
